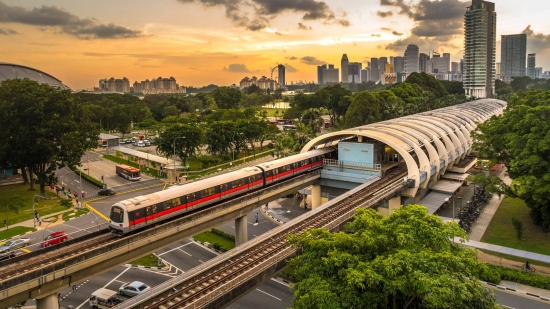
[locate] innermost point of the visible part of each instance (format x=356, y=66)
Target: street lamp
x=460, y=199
x=33, y=210
x=174, y=144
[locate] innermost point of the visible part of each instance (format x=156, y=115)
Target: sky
x=201, y=42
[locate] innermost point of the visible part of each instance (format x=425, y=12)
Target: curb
x=501, y=287
x=139, y=266
x=270, y=217
x=200, y=243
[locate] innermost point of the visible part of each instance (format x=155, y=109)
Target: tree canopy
x=406, y=260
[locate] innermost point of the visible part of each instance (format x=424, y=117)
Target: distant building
x=538, y=72
x=320, y=69
x=330, y=75
x=354, y=72
x=398, y=64
x=389, y=68
x=513, y=53
x=455, y=68
x=531, y=64
x=374, y=70
x=497, y=70
x=480, y=22
x=365, y=75
x=263, y=83
x=439, y=64
x=344, y=66
x=281, y=75
x=423, y=60
x=461, y=66
x=411, y=59
x=157, y=85
x=114, y=85
x=382, y=61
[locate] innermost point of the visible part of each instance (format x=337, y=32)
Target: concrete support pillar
x=315, y=196
x=241, y=230
x=48, y=302
x=360, y=138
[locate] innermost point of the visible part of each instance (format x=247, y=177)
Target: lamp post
x=460, y=203
x=33, y=210
x=174, y=144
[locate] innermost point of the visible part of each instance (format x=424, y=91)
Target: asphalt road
x=514, y=301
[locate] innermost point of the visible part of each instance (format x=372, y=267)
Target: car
x=128, y=141
x=147, y=142
x=133, y=288
x=106, y=192
x=140, y=144
x=14, y=244
x=54, y=239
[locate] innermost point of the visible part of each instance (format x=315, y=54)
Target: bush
x=518, y=225
x=90, y=179
x=495, y=274
x=67, y=203
x=223, y=234
x=216, y=246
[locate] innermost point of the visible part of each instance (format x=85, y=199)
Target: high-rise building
x=392, y=59
x=439, y=64
x=480, y=23
x=382, y=61
x=320, y=73
x=374, y=71
x=538, y=72
x=390, y=68
x=114, y=85
x=281, y=75
x=461, y=66
x=330, y=75
x=531, y=64
x=513, y=53
x=354, y=71
x=365, y=75
x=454, y=67
x=497, y=70
x=344, y=66
x=411, y=59
x=399, y=64
x=423, y=60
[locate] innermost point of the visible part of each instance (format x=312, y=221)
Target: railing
x=352, y=165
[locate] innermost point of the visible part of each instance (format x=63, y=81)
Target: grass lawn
x=272, y=112
x=148, y=260
x=44, y=207
x=13, y=231
x=514, y=258
x=501, y=231
x=66, y=216
x=225, y=244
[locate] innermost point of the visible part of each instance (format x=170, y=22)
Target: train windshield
x=117, y=214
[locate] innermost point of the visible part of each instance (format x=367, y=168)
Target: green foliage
x=518, y=226
x=519, y=138
x=452, y=87
x=497, y=273
x=406, y=260
x=227, y=98
x=88, y=178
x=14, y=231
x=184, y=139
x=312, y=119
x=66, y=202
x=223, y=234
x=10, y=205
x=366, y=108
x=428, y=83
x=491, y=184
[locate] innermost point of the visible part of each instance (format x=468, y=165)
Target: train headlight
x=120, y=225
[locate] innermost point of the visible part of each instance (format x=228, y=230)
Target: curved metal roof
x=13, y=71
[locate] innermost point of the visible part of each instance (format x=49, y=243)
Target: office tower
x=365, y=75
x=480, y=23
x=538, y=72
x=411, y=59
x=439, y=64
x=531, y=63
x=392, y=59
x=497, y=70
x=423, y=60
x=354, y=70
x=382, y=61
x=513, y=53
x=281, y=74
x=320, y=69
x=389, y=68
x=461, y=66
x=398, y=64
x=330, y=75
x=374, y=71
x=344, y=66
x=454, y=67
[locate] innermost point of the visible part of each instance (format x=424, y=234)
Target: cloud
x=304, y=27
x=537, y=41
x=384, y=14
x=375, y=35
x=311, y=60
x=266, y=10
x=52, y=16
x=386, y=29
x=438, y=28
x=236, y=67
x=291, y=58
x=7, y=31
x=290, y=68
x=397, y=33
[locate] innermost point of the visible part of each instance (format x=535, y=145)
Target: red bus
x=128, y=172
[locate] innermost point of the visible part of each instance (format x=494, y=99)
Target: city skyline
x=199, y=44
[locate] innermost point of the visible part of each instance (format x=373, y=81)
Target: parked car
x=128, y=141
x=140, y=144
x=14, y=244
x=133, y=288
x=106, y=192
x=54, y=239
x=147, y=142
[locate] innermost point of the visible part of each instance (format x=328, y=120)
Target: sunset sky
x=202, y=42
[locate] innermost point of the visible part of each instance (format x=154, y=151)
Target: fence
x=352, y=165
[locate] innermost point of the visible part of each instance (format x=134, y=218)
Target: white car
x=140, y=144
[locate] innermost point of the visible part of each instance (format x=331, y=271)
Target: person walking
x=266, y=206
x=6, y=224
x=256, y=217
x=82, y=194
x=59, y=300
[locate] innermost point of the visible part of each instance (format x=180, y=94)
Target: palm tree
x=283, y=145
x=312, y=118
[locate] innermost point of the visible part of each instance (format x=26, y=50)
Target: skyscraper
x=480, y=23
x=320, y=73
x=374, y=71
x=330, y=75
x=281, y=75
x=440, y=64
x=411, y=59
x=454, y=67
x=513, y=52
x=399, y=64
x=531, y=64
x=365, y=75
x=344, y=67
x=423, y=60
x=382, y=61
x=354, y=71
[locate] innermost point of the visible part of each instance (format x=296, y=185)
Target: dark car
x=106, y=192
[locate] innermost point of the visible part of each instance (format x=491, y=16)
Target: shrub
x=67, y=203
x=223, y=234
x=518, y=225
x=495, y=274
x=216, y=246
x=90, y=179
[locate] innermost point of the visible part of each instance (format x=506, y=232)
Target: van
x=104, y=298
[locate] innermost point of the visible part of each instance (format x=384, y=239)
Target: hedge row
x=497, y=273
x=90, y=179
x=223, y=234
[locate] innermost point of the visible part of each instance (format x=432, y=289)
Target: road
x=514, y=301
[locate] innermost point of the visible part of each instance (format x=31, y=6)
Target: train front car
x=284, y=168
x=118, y=219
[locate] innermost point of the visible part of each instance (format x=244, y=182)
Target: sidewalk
x=283, y=210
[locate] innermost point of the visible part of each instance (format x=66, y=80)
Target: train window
x=117, y=214
x=148, y=211
x=176, y=202
x=190, y=197
x=131, y=216
x=167, y=204
x=154, y=207
x=237, y=183
x=207, y=192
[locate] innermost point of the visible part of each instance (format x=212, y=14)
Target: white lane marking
x=155, y=272
x=114, y=279
x=185, y=252
x=280, y=282
x=232, y=227
x=174, y=249
x=201, y=261
x=268, y=294
x=74, y=227
x=508, y=307
x=119, y=281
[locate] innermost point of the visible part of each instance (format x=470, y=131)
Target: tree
x=453, y=87
x=312, y=119
x=220, y=137
x=406, y=260
x=366, y=108
x=148, y=125
x=11, y=205
x=283, y=145
x=43, y=129
x=186, y=138
x=335, y=104
x=226, y=97
x=490, y=184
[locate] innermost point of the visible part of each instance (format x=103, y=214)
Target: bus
x=128, y=172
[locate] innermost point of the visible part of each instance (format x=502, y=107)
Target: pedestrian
x=36, y=213
x=82, y=194
x=39, y=221
x=256, y=217
x=59, y=300
x=69, y=189
x=499, y=194
x=6, y=224
x=266, y=206
x=74, y=287
x=63, y=188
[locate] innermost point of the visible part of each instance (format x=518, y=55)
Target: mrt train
x=133, y=214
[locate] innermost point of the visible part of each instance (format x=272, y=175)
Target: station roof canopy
x=145, y=156
x=108, y=136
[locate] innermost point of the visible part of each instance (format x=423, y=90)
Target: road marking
x=25, y=250
x=119, y=281
x=164, y=186
x=280, y=282
x=268, y=294
x=185, y=252
x=201, y=261
x=174, y=249
x=96, y=211
x=74, y=227
x=86, y=301
x=155, y=272
x=232, y=227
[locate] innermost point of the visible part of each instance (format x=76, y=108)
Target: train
x=139, y=212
